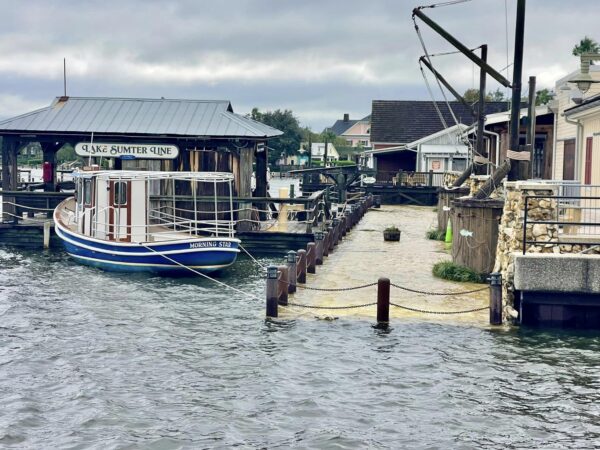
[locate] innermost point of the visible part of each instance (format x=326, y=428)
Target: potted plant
x=391, y=233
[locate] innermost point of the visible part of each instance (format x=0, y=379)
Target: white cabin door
x=119, y=215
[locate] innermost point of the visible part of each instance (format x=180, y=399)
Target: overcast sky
x=318, y=58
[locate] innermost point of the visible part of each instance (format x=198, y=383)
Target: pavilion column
x=10, y=177
x=49, y=150
x=245, y=188
x=262, y=183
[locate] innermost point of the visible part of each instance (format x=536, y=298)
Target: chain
x=336, y=289
x=438, y=293
x=439, y=312
x=331, y=307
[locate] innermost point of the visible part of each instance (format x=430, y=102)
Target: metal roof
x=139, y=116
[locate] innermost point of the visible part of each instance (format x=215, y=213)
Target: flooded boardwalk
x=363, y=256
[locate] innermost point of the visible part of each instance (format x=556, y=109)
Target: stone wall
x=476, y=181
x=450, y=178
x=510, y=233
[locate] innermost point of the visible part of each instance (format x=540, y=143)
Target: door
x=588, y=160
x=119, y=214
x=569, y=160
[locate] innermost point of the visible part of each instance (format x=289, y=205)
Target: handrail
x=526, y=221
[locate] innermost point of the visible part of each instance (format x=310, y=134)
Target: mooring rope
x=200, y=273
x=262, y=266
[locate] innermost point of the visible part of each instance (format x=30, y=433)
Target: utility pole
x=518, y=169
x=530, y=140
x=479, y=147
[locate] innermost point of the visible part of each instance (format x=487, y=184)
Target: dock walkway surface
x=363, y=256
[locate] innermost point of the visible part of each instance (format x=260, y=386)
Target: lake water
x=96, y=360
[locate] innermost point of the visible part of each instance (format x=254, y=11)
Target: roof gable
x=139, y=116
x=404, y=121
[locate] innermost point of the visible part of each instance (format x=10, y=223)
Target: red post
x=301, y=266
x=283, y=285
x=292, y=271
x=311, y=257
x=319, y=247
x=326, y=240
x=272, y=288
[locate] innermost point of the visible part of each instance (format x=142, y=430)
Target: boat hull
x=177, y=256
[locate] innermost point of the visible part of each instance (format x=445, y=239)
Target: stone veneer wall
x=476, y=181
x=510, y=233
x=450, y=178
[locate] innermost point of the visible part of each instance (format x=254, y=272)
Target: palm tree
x=586, y=45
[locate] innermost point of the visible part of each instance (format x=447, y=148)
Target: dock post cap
x=319, y=235
x=335, y=221
x=272, y=272
x=495, y=279
x=291, y=257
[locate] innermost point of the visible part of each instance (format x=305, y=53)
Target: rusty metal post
x=495, y=298
x=272, y=288
x=283, y=285
x=292, y=271
x=301, y=266
x=383, y=301
x=319, y=247
x=311, y=257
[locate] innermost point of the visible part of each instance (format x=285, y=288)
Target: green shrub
x=436, y=235
x=450, y=271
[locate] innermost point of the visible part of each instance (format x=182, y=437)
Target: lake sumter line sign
x=127, y=151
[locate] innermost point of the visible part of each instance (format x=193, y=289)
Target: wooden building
x=134, y=133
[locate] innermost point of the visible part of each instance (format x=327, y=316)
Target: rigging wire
x=436, y=78
x=432, y=97
x=442, y=4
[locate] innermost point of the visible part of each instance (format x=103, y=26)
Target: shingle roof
x=404, y=121
x=139, y=116
x=340, y=126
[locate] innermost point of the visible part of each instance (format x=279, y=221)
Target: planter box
x=391, y=235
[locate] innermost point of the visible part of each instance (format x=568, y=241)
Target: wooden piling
x=311, y=257
x=272, y=291
x=336, y=231
x=326, y=239
x=319, y=248
x=495, y=298
x=292, y=263
x=301, y=278
x=283, y=285
x=383, y=300
x=343, y=227
x=331, y=238
x=47, y=234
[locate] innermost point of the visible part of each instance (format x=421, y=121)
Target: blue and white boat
x=137, y=221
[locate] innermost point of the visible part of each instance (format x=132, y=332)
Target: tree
x=289, y=142
x=472, y=96
x=543, y=96
x=586, y=45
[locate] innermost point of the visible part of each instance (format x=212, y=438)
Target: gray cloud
x=318, y=58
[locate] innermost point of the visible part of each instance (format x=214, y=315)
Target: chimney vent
x=346, y=117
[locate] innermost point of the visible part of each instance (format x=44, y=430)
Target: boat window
x=79, y=192
x=120, y=193
x=87, y=191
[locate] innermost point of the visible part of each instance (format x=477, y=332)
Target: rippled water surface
x=96, y=360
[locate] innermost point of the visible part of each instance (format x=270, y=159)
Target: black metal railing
x=584, y=221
